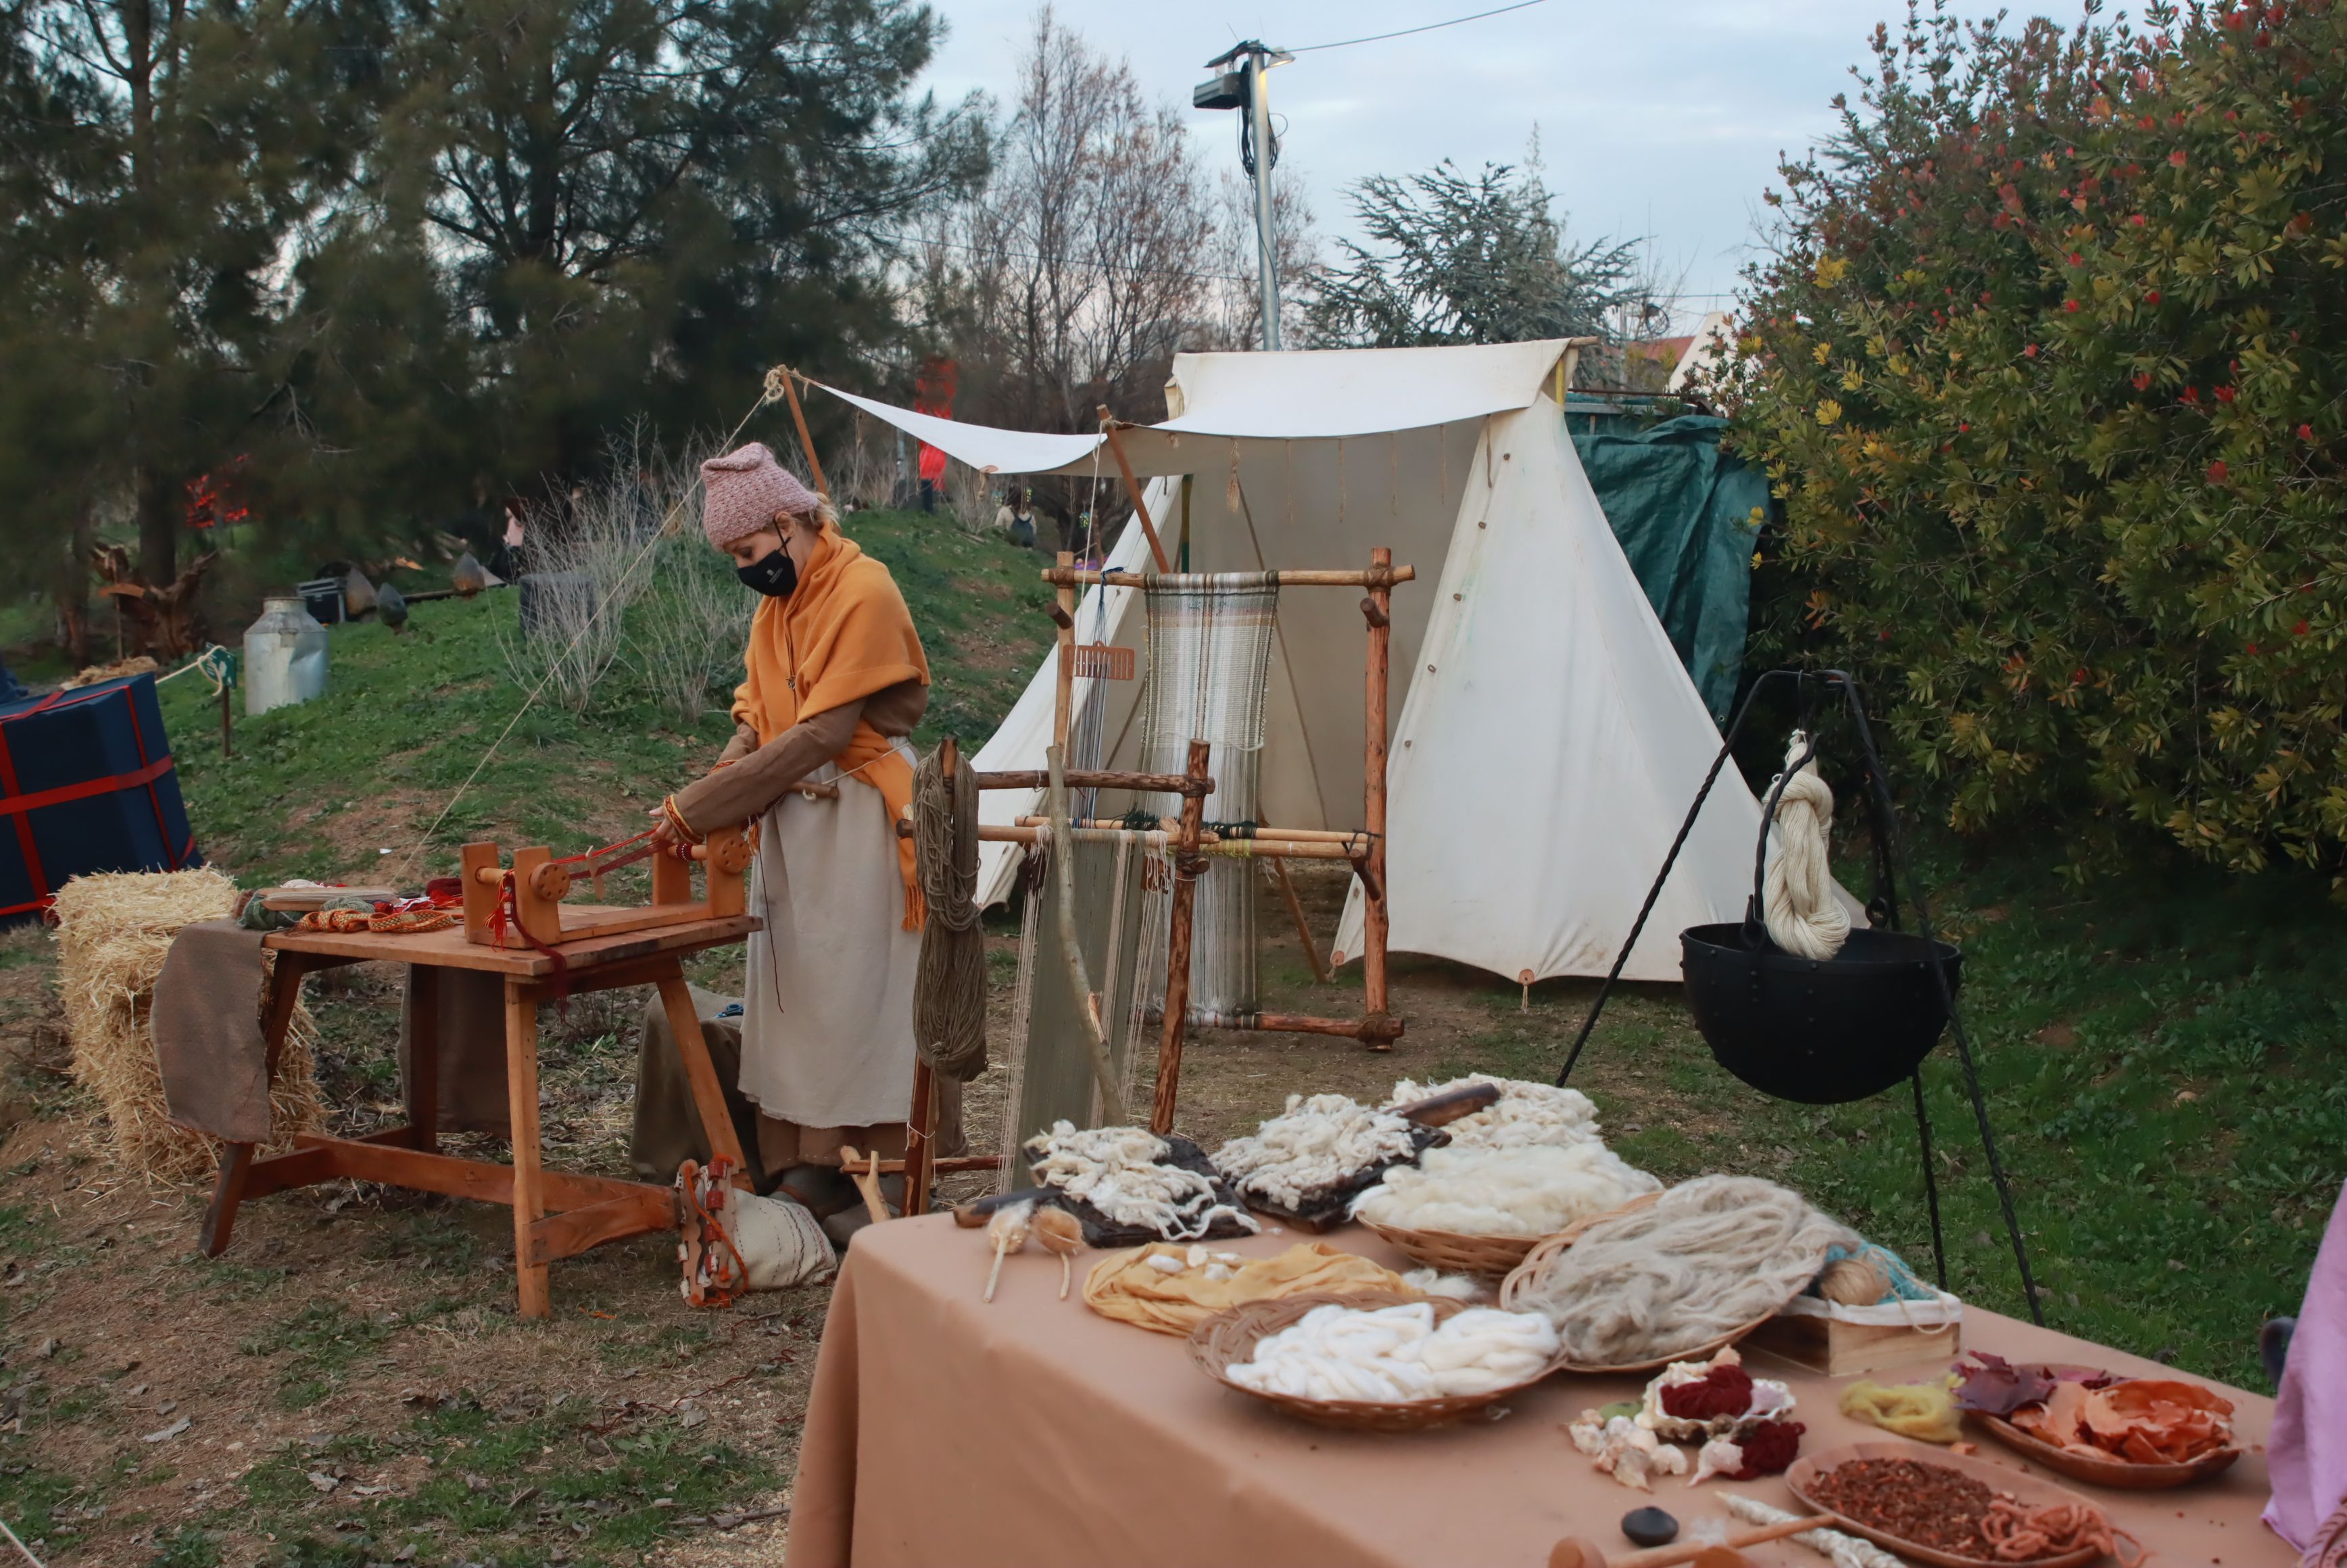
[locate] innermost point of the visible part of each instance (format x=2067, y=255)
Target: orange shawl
x=841, y=635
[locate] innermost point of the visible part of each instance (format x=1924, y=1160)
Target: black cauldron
x=1820, y=1030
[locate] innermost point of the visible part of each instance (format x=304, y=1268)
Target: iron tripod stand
x=1815, y=690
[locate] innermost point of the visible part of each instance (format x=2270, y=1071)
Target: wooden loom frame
x=1376, y=1029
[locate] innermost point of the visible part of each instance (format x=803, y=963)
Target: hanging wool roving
x=1803, y=911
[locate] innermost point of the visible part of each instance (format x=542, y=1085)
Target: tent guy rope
x=775, y=388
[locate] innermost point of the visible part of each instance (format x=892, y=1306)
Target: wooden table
x=556, y=1214
x=1032, y=1433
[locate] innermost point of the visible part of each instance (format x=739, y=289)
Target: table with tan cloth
x=1034, y=1433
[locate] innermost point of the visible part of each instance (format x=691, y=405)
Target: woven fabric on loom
x=1123, y=908
x=1209, y=665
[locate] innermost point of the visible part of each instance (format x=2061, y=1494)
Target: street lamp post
x=1247, y=88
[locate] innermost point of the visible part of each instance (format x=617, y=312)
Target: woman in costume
x=835, y=681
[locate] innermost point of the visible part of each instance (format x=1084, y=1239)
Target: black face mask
x=774, y=575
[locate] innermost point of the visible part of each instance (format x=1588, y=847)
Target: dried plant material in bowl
x=2133, y=1434
x=1953, y=1512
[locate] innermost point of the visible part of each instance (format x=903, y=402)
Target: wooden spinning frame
x=529, y=893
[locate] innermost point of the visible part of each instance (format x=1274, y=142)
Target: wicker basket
x=1229, y=1339
x=1452, y=1253
x=1543, y=1255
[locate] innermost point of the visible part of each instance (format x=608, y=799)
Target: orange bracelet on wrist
x=675, y=818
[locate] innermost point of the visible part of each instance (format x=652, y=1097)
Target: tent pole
x=1063, y=613
x=1187, y=864
x=806, y=442
x=1377, y=610
x=1140, y=507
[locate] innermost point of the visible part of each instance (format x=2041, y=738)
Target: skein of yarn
x=949, y=986
x=1710, y=1256
x=1803, y=915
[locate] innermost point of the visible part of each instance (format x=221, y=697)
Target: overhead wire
x=1407, y=31
x=770, y=392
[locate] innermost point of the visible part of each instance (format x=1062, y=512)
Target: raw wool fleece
x=1524, y=1115
x=114, y=931
x=1116, y=1170
x=1392, y=1355
x=1535, y=1190
x=1713, y=1254
x=1313, y=1146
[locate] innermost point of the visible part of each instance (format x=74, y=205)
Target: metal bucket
x=1819, y=1031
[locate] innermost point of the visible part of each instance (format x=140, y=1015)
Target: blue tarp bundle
x=86, y=785
x=1689, y=516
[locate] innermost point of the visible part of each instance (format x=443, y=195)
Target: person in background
x=1016, y=518
x=837, y=679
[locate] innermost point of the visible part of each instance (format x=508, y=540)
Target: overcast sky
x=1656, y=120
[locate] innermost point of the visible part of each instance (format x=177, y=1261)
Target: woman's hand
x=663, y=832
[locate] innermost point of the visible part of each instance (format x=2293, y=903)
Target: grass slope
x=320, y=788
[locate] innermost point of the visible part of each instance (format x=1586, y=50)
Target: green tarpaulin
x=1688, y=518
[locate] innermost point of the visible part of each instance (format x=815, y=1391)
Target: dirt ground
x=349, y=1383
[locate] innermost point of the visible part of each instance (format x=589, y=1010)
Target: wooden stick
x=1352, y=836
x=1063, y=698
x=1208, y=843
x=867, y=1180
x=1140, y=507
x=1303, y=927
x=1071, y=945
x=1069, y=575
x=1370, y=1031
x=521, y=1110
x=1373, y=782
x=1099, y=778
x=1575, y=1553
x=1177, y=951
x=806, y=442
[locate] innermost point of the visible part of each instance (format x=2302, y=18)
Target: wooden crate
x=1841, y=1349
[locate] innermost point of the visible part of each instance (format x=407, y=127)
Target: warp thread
x=1803, y=916
x=949, y=986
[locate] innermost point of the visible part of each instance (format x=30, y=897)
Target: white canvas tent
x=1546, y=740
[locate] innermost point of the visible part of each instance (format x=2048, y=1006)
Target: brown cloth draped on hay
x=117, y=932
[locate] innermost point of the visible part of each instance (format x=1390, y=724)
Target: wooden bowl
x=2118, y=1474
x=1230, y=1338
x=2023, y=1487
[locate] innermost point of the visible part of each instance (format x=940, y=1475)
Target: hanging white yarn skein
x=1803, y=914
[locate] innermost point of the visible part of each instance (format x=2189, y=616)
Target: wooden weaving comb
x=1100, y=661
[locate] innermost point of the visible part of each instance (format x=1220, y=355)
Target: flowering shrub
x=2047, y=370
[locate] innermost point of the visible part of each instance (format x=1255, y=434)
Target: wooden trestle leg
x=708, y=1093
x=528, y=1180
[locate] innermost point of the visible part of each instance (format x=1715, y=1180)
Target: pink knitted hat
x=742, y=491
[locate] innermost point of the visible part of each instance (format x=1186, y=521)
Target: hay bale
x=114, y=931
